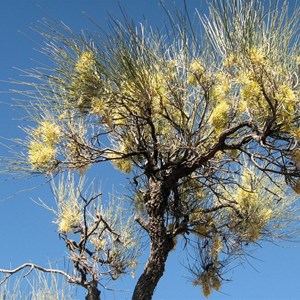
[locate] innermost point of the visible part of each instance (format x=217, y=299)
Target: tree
x=206, y=122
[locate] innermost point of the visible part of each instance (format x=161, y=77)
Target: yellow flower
x=70, y=217
x=244, y=77
x=171, y=69
x=206, y=286
x=157, y=83
x=251, y=92
x=217, y=244
x=246, y=199
x=253, y=232
x=197, y=68
x=151, y=83
x=222, y=87
x=285, y=94
x=215, y=283
x=230, y=61
x=64, y=225
x=41, y=154
x=295, y=156
x=98, y=243
x=256, y=213
x=98, y=106
x=242, y=107
x=219, y=116
x=192, y=80
x=296, y=133
x=256, y=56
x=48, y=132
x=118, y=119
x=85, y=62
x=124, y=165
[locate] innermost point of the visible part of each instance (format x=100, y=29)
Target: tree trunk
x=93, y=292
x=161, y=244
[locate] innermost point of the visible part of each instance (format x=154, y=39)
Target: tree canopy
x=204, y=116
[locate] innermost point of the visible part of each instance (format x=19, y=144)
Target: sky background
x=26, y=230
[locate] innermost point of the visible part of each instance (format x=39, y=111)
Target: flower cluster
x=69, y=218
x=42, y=149
x=209, y=281
x=254, y=214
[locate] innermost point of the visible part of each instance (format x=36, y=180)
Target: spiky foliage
x=95, y=234
x=38, y=287
x=208, y=124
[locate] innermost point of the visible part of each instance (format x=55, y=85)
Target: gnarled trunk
x=93, y=292
x=161, y=244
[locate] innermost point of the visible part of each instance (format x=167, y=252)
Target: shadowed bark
x=93, y=292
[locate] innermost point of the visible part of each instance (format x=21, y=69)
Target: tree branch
x=37, y=267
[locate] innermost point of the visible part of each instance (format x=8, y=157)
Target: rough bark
x=161, y=244
x=93, y=292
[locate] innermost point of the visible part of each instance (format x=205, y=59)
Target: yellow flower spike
x=215, y=283
x=268, y=214
x=219, y=116
x=122, y=164
x=285, y=94
x=256, y=56
x=98, y=243
x=230, y=61
x=171, y=68
x=256, y=214
x=295, y=156
x=222, y=87
x=48, y=132
x=192, y=80
x=70, y=217
x=129, y=89
x=253, y=232
x=296, y=133
x=86, y=81
x=85, y=62
x=197, y=68
x=217, y=244
x=243, y=106
x=41, y=154
x=158, y=84
x=205, y=282
x=98, y=106
x=64, y=226
x=118, y=119
x=251, y=92
x=244, y=77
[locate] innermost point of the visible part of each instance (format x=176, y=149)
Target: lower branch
x=34, y=266
x=93, y=292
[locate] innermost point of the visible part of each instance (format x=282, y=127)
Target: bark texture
x=161, y=243
x=93, y=292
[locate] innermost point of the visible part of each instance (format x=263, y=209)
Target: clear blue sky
x=26, y=231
